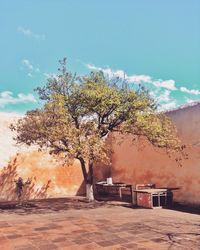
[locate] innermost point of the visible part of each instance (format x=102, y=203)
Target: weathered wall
x=7, y=147
x=41, y=167
x=136, y=162
x=139, y=162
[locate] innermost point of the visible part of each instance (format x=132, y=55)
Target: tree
x=78, y=114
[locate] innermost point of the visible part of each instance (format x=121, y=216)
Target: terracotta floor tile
x=105, y=227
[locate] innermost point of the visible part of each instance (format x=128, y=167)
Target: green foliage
x=80, y=112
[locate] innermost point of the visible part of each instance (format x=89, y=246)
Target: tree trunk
x=89, y=192
x=89, y=183
x=88, y=178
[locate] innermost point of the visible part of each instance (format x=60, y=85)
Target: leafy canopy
x=78, y=113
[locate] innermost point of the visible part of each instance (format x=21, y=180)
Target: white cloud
x=189, y=100
x=29, y=33
x=135, y=79
x=164, y=97
x=6, y=97
x=160, y=90
x=190, y=91
x=108, y=71
x=37, y=70
x=50, y=75
x=92, y=67
x=27, y=63
x=29, y=66
x=138, y=79
x=168, y=84
x=167, y=106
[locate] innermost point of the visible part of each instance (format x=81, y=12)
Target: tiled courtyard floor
x=105, y=226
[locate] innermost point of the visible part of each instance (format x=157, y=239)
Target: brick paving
x=56, y=225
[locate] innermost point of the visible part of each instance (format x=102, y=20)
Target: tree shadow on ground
x=8, y=190
x=43, y=206
x=186, y=208
x=126, y=201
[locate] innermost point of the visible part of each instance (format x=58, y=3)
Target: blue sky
x=153, y=42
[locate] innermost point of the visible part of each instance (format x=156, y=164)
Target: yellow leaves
x=79, y=112
x=159, y=130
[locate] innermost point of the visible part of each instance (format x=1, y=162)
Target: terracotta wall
x=136, y=162
x=139, y=162
x=49, y=178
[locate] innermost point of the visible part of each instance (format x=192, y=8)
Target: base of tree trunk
x=89, y=192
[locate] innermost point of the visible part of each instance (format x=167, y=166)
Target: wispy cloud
x=168, y=84
x=7, y=97
x=29, y=33
x=50, y=75
x=190, y=91
x=164, y=99
x=188, y=100
x=135, y=79
x=29, y=66
x=167, y=106
x=161, y=90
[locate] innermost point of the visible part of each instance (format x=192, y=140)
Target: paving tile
x=66, y=243
x=2, y=238
x=131, y=245
x=59, y=239
x=41, y=228
x=25, y=247
x=81, y=241
x=14, y=236
x=120, y=241
x=106, y=243
x=106, y=227
x=120, y=248
x=48, y=247
x=4, y=224
x=39, y=242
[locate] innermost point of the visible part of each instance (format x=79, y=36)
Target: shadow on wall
x=102, y=172
x=81, y=190
x=8, y=191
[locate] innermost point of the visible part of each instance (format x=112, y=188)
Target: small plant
x=20, y=186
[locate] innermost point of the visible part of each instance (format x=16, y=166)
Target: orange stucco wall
x=49, y=178
x=138, y=162
x=132, y=162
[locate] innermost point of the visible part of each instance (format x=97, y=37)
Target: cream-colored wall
x=139, y=162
